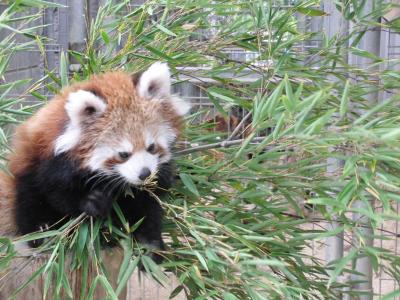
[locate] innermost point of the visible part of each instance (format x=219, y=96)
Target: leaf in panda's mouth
x=150, y=182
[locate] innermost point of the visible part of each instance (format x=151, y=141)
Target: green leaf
x=60, y=269
x=391, y=295
x=313, y=12
x=63, y=70
x=159, y=53
x=344, y=102
x=176, y=291
x=82, y=238
x=105, y=37
x=340, y=265
x=154, y=270
x=93, y=287
x=107, y=287
x=127, y=275
x=189, y=184
x=229, y=296
x=165, y=30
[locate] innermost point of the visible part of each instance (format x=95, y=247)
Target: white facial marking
x=103, y=153
x=131, y=169
x=125, y=146
x=75, y=107
x=68, y=140
x=155, y=82
x=165, y=136
x=99, y=156
x=149, y=138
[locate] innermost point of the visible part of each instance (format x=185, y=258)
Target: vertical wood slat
x=369, y=42
x=334, y=25
x=142, y=287
x=22, y=269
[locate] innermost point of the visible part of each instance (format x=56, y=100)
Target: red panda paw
x=96, y=204
x=38, y=242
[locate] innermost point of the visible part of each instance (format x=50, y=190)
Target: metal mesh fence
x=32, y=63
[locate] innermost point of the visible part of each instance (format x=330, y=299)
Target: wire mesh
x=383, y=282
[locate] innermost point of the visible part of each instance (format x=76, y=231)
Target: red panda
x=80, y=151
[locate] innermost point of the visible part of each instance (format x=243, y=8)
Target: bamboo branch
x=237, y=128
x=223, y=144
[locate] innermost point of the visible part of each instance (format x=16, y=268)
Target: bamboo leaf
x=189, y=184
x=340, y=265
x=63, y=70
x=344, y=103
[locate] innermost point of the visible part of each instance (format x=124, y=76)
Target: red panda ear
x=155, y=82
x=80, y=106
x=181, y=106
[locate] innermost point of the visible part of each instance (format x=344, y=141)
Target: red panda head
x=124, y=125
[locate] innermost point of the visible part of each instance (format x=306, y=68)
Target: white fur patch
x=102, y=153
x=148, y=138
x=99, y=156
x=165, y=136
x=155, y=82
x=76, y=106
x=125, y=146
x=68, y=140
x=181, y=106
x=77, y=103
x=131, y=169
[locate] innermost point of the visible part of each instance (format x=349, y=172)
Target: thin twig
x=316, y=219
x=223, y=144
x=237, y=128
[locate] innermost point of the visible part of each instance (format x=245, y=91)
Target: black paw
x=36, y=243
x=154, y=249
x=39, y=242
x=96, y=204
x=156, y=257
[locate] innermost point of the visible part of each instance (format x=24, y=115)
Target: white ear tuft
x=80, y=106
x=181, y=106
x=155, y=81
x=83, y=104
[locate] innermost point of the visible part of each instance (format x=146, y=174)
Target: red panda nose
x=144, y=173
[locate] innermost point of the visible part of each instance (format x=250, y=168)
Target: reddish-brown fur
x=7, y=224
x=34, y=139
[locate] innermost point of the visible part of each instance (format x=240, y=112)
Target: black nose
x=144, y=173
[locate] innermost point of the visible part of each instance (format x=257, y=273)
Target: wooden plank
x=143, y=287
x=22, y=268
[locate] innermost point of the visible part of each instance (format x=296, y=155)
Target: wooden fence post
x=22, y=269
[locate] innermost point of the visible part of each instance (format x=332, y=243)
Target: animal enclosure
x=371, y=48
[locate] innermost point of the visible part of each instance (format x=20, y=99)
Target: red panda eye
x=124, y=155
x=151, y=149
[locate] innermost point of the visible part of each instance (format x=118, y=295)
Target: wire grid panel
x=32, y=63
x=383, y=282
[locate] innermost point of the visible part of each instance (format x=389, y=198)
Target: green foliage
x=235, y=225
